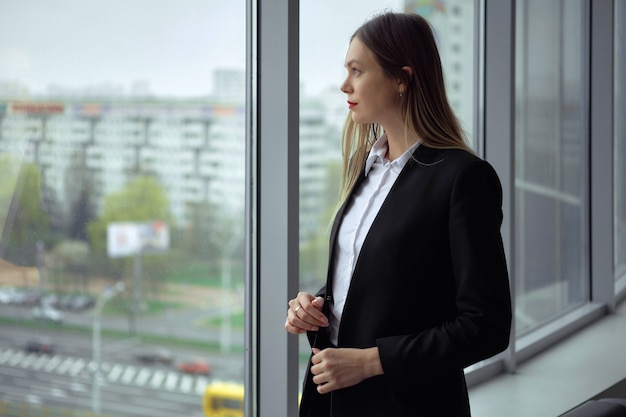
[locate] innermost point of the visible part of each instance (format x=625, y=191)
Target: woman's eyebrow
x=353, y=61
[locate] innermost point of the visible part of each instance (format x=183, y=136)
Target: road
x=186, y=324
x=65, y=382
x=128, y=388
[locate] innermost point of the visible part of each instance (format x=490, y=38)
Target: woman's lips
x=351, y=104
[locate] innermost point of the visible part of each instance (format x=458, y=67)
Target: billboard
x=130, y=238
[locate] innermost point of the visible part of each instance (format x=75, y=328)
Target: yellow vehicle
x=223, y=399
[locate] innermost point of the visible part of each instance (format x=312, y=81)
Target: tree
x=26, y=222
x=81, y=213
x=207, y=232
x=71, y=260
x=314, y=251
x=79, y=194
x=142, y=199
x=9, y=172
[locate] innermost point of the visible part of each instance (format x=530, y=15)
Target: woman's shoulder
x=452, y=164
x=446, y=157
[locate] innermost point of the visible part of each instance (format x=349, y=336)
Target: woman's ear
x=408, y=70
x=404, y=82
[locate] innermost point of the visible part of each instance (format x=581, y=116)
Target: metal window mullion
x=521, y=58
x=558, y=159
x=585, y=57
x=251, y=221
x=601, y=157
x=272, y=381
x=499, y=124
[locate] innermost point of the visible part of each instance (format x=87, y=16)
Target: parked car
x=155, y=356
x=41, y=346
x=7, y=295
x=26, y=297
x=64, y=301
x=194, y=366
x=50, y=299
x=48, y=313
x=82, y=303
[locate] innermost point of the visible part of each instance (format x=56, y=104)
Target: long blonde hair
x=398, y=40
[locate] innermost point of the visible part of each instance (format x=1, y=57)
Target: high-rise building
x=194, y=148
x=453, y=24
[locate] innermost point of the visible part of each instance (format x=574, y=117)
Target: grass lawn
x=236, y=321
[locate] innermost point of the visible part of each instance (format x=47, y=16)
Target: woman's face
x=372, y=95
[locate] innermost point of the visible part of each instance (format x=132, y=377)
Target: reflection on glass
x=122, y=160
x=619, y=153
x=454, y=24
x=550, y=170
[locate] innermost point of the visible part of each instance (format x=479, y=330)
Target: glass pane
x=322, y=113
x=323, y=108
x=619, y=153
x=121, y=206
x=550, y=169
x=454, y=23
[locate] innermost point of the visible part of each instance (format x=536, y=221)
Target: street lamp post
x=108, y=293
x=225, y=327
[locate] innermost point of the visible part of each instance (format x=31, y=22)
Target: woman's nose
x=344, y=87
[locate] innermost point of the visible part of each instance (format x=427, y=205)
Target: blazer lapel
x=422, y=156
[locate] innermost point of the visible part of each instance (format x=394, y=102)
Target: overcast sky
x=172, y=45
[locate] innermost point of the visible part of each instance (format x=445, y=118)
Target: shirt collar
x=379, y=150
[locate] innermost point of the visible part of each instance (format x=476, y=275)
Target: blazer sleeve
x=480, y=327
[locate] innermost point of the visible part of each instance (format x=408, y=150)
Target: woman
x=417, y=285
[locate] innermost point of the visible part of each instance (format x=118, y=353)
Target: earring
x=401, y=93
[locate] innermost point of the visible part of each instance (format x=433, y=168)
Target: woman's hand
x=340, y=368
x=305, y=313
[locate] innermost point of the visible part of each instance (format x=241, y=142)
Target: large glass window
x=323, y=108
x=323, y=111
x=619, y=161
x=550, y=168
x=121, y=206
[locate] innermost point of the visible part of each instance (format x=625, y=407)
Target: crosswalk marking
x=105, y=367
x=115, y=373
x=28, y=360
x=201, y=383
x=185, y=383
x=77, y=367
x=143, y=376
x=6, y=355
x=39, y=363
x=54, y=361
x=64, y=366
x=157, y=379
x=15, y=359
x=121, y=373
x=170, y=383
x=128, y=375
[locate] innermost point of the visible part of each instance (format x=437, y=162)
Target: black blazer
x=430, y=288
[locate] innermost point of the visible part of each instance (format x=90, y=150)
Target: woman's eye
x=356, y=70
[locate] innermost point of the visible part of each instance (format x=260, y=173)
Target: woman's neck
x=397, y=144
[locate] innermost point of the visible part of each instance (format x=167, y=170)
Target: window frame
x=271, y=355
x=272, y=212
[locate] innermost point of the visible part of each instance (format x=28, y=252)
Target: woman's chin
x=356, y=118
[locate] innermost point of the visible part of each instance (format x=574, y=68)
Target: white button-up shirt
x=365, y=202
